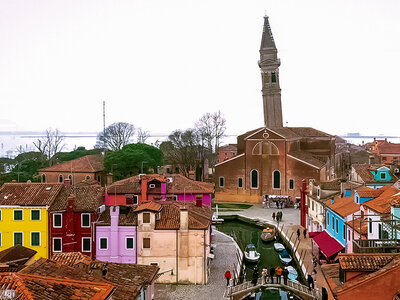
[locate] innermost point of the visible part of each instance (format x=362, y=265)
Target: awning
x=327, y=244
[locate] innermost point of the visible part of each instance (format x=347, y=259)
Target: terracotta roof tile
x=367, y=192
x=86, y=164
x=16, y=256
x=389, y=148
x=344, y=206
x=365, y=172
x=127, y=216
x=152, y=206
x=383, y=203
x=87, y=198
x=29, y=194
x=359, y=225
x=308, y=158
x=71, y=258
x=363, y=261
x=28, y=286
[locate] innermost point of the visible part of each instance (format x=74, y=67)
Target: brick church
x=273, y=160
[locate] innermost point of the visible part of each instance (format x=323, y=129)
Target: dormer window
x=152, y=185
x=383, y=176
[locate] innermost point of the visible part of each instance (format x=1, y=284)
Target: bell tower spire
x=269, y=64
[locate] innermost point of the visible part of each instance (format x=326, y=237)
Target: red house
x=71, y=218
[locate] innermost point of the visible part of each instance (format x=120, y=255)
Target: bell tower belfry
x=271, y=92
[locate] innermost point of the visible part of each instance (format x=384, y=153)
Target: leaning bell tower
x=271, y=92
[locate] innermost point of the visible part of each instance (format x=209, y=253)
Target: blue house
x=338, y=212
x=373, y=176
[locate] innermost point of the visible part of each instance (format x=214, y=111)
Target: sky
x=160, y=65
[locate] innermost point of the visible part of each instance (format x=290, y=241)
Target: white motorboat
x=285, y=257
x=279, y=247
x=251, y=254
x=292, y=273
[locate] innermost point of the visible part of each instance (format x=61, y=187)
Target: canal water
x=245, y=233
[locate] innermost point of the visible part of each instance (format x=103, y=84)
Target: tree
x=76, y=153
x=116, y=136
x=182, y=150
x=50, y=144
x=131, y=158
x=211, y=127
x=142, y=136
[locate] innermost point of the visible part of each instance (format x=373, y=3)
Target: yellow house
x=24, y=216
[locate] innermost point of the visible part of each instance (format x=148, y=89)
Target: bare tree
x=211, y=127
x=50, y=144
x=142, y=136
x=116, y=135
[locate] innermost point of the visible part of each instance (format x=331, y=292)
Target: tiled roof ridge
x=381, y=272
x=19, y=283
x=86, y=158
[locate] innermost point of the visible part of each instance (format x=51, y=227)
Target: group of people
x=277, y=216
x=304, y=233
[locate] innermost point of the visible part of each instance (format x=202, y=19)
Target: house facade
x=71, y=217
x=141, y=188
x=373, y=176
x=89, y=167
x=24, y=215
x=175, y=237
x=116, y=235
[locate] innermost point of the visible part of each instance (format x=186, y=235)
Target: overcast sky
x=161, y=64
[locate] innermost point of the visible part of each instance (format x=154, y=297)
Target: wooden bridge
x=241, y=290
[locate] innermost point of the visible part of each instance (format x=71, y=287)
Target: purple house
x=116, y=231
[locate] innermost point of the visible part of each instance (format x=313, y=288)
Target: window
x=35, y=214
x=344, y=232
x=348, y=235
x=18, y=215
x=291, y=184
x=318, y=192
x=357, y=199
x=103, y=243
x=85, y=220
x=130, y=242
x=43, y=178
x=327, y=217
x=57, y=220
x=277, y=180
x=35, y=238
x=70, y=179
x=383, y=158
x=240, y=182
x=333, y=223
x=18, y=238
x=98, y=178
x=312, y=205
x=383, y=175
x=337, y=226
x=131, y=199
x=87, y=177
x=273, y=77
x=146, y=218
x=221, y=182
x=146, y=243
x=254, y=179
x=370, y=225
x=152, y=185
x=380, y=231
x=57, y=244
x=175, y=197
x=0, y=214
x=60, y=178
x=86, y=244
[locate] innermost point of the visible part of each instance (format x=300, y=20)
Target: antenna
x=104, y=124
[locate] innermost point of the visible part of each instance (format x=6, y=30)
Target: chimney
x=199, y=200
x=114, y=243
x=114, y=215
x=71, y=200
x=192, y=175
x=184, y=219
x=144, y=189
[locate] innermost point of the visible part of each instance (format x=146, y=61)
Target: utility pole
x=104, y=124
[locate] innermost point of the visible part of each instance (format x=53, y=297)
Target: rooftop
x=29, y=194
x=344, y=206
x=16, y=256
x=86, y=164
x=365, y=172
x=359, y=225
x=363, y=261
x=383, y=203
x=127, y=216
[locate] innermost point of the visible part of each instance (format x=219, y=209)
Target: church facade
x=273, y=160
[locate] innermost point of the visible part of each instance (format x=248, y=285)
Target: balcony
x=376, y=246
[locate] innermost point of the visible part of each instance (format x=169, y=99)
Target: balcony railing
x=376, y=246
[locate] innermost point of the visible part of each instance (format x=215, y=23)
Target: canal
x=246, y=233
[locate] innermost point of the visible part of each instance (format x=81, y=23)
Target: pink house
x=116, y=231
x=142, y=188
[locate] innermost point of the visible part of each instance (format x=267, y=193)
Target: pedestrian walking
x=305, y=233
x=281, y=204
x=255, y=276
x=285, y=274
x=264, y=275
x=228, y=277
x=273, y=216
x=280, y=216
x=310, y=281
x=278, y=272
x=298, y=233
x=277, y=204
x=272, y=273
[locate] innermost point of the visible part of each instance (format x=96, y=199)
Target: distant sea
x=10, y=141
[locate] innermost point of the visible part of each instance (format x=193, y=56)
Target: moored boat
x=279, y=247
x=268, y=234
x=285, y=257
x=251, y=254
x=292, y=273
